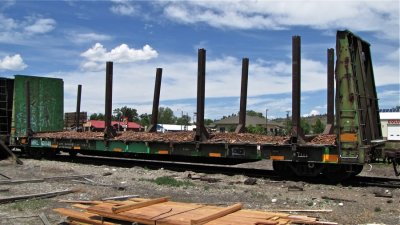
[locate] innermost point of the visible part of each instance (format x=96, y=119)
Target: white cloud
x=14, y=31
x=88, y=37
x=394, y=56
x=134, y=82
x=123, y=7
x=15, y=63
x=381, y=17
x=7, y=3
x=312, y=113
x=386, y=74
x=7, y=23
x=97, y=55
x=41, y=26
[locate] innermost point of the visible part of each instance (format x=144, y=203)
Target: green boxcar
x=46, y=105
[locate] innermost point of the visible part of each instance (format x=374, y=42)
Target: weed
x=170, y=181
x=377, y=209
x=29, y=205
x=310, y=203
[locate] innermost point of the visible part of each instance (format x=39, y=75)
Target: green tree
x=254, y=113
x=131, y=113
x=305, y=126
x=184, y=120
x=96, y=116
x=318, y=127
x=145, y=119
x=166, y=116
x=208, y=122
x=231, y=128
x=258, y=129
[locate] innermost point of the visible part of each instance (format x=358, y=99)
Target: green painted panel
x=47, y=105
x=100, y=146
x=160, y=148
x=137, y=147
x=213, y=150
x=117, y=146
x=186, y=149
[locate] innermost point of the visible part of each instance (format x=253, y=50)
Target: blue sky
x=73, y=40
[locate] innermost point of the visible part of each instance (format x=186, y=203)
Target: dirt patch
x=265, y=194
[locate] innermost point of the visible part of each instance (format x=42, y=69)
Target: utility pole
x=266, y=119
x=287, y=120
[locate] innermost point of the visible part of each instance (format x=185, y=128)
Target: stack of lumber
x=324, y=139
x=247, y=138
x=163, y=212
x=71, y=135
x=186, y=136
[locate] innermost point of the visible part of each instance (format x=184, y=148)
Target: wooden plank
x=80, y=202
x=39, y=195
x=246, y=217
x=122, y=197
x=146, y=215
x=5, y=176
x=44, y=219
x=265, y=223
x=5, y=182
x=123, y=208
x=216, y=215
x=5, y=148
x=176, y=213
x=80, y=206
x=84, y=217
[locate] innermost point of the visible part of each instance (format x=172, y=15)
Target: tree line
x=166, y=116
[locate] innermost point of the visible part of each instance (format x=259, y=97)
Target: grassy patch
x=377, y=209
x=29, y=205
x=172, y=182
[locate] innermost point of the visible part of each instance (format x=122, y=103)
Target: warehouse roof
x=389, y=115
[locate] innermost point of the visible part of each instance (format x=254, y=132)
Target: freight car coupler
x=395, y=165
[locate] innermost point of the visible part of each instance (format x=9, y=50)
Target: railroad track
x=358, y=181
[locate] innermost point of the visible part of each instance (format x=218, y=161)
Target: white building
x=390, y=123
x=174, y=128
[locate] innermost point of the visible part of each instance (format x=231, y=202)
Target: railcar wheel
x=72, y=153
x=283, y=169
x=306, y=169
x=35, y=153
x=50, y=153
x=336, y=173
x=356, y=169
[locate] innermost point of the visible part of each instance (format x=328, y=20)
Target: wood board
x=178, y=213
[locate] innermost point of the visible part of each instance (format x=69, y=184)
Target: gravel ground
x=264, y=195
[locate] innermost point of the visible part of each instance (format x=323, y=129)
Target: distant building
x=99, y=125
x=230, y=123
x=162, y=128
x=390, y=124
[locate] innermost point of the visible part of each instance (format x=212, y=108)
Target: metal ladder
x=3, y=107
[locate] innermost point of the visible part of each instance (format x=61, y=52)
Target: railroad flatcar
x=32, y=120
